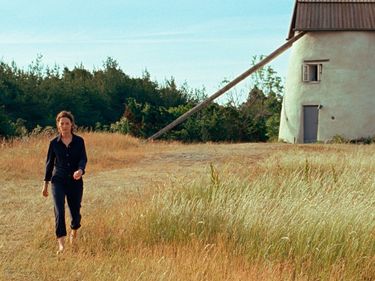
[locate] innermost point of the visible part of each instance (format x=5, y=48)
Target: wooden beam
x=230, y=85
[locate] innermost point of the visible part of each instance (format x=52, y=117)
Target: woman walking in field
x=65, y=165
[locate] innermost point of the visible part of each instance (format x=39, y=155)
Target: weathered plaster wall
x=346, y=90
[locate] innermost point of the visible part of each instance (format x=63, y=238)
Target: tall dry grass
x=306, y=213
x=312, y=212
x=24, y=158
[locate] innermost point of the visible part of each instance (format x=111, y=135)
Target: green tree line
x=107, y=99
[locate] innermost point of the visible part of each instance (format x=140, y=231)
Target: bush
x=122, y=126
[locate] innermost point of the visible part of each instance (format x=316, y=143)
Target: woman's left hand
x=77, y=174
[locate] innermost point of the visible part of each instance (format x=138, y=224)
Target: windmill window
x=312, y=72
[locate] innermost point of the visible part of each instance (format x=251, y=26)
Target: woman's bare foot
x=61, y=243
x=73, y=236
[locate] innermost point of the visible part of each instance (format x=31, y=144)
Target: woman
x=65, y=165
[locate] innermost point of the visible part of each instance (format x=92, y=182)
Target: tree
x=263, y=105
x=108, y=99
x=6, y=127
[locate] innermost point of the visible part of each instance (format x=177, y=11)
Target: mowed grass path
x=167, y=211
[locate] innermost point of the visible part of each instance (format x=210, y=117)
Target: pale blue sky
x=200, y=42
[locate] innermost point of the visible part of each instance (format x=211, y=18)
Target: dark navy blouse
x=62, y=161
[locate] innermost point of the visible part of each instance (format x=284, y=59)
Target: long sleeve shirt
x=62, y=161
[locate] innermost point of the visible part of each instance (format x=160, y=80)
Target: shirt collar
x=59, y=137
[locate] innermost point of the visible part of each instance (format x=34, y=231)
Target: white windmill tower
x=330, y=87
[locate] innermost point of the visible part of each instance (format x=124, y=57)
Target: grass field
x=167, y=211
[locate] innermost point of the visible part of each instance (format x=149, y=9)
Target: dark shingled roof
x=333, y=15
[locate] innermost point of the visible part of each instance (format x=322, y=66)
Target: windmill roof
x=333, y=15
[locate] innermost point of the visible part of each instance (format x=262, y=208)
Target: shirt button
x=67, y=155
x=68, y=164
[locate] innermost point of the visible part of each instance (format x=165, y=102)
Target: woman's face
x=64, y=125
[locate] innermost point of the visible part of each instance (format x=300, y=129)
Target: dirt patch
x=180, y=161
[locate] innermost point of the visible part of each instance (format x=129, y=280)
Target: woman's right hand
x=45, y=189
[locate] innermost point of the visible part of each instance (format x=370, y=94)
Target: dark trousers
x=73, y=191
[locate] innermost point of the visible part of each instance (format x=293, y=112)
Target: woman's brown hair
x=68, y=115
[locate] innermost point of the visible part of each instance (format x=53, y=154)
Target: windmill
x=330, y=80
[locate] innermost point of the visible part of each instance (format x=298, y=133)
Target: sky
x=201, y=42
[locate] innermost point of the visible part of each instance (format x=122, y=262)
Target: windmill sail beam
x=227, y=87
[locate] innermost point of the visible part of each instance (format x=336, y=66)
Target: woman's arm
x=83, y=158
x=82, y=163
x=50, y=162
